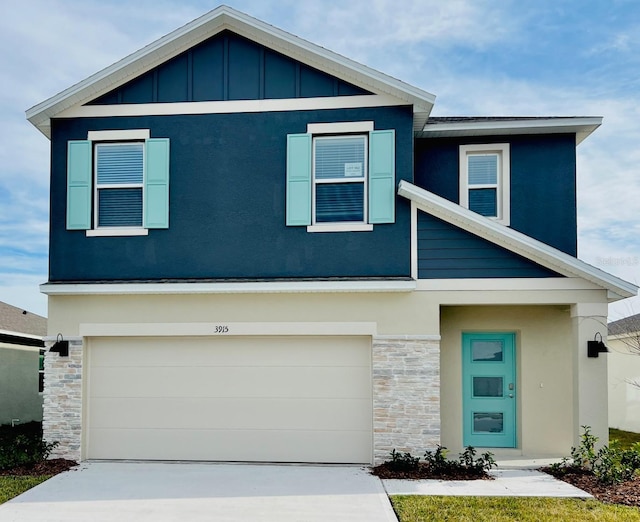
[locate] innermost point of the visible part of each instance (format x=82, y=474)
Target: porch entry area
x=489, y=390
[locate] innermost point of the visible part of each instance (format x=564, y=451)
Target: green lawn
x=626, y=438
x=12, y=486
x=413, y=508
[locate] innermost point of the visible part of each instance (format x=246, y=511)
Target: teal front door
x=489, y=390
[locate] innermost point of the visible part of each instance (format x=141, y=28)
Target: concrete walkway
x=507, y=483
x=194, y=492
x=160, y=492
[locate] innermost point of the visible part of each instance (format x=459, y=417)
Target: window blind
x=120, y=163
x=337, y=202
x=339, y=157
x=484, y=201
x=120, y=207
x=483, y=169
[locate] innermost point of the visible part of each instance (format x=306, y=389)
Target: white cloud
x=49, y=45
x=22, y=291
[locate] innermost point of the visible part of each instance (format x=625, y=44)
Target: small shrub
x=468, y=461
x=437, y=460
x=403, y=461
x=585, y=455
x=23, y=446
x=610, y=464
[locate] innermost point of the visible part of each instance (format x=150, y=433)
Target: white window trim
x=344, y=227
x=345, y=127
x=107, y=136
x=504, y=177
x=339, y=127
x=119, y=135
x=117, y=232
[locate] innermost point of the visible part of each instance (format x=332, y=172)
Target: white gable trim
x=228, y=107
x=209, y=25
x=515, y=241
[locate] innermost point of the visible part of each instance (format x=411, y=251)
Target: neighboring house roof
x=515, y=241
x=17, y=326
x=210, y=24
x=451, y=126
x=625, y=325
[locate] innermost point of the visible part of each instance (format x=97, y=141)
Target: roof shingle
x=17, y=320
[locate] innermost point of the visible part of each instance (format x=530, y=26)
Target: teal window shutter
x=382, y=176
x=298, y=179
x=156, y=183
x=79, y=185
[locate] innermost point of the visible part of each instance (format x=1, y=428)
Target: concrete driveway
x=192, y=492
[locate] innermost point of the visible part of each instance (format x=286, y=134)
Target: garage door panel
x=292, y=399
x=232, y=351
x=260, y=414
x=186, y=381
x=232, y=445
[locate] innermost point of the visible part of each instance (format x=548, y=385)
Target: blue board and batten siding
x=543, y=182
x=228, y=67
x=448, y=252
x=227, y=205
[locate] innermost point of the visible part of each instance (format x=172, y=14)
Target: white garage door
x=274, y=399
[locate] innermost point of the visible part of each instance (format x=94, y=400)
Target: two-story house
x=261, y=250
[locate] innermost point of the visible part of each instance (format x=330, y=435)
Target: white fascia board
x=581, y=126
x=227, y=288
x=20, y=334
x=20, y=347
x=515, y=241
x=511, y=284
x=207, y=26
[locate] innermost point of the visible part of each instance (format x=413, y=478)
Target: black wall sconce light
x=60, y=347
x=595, y=347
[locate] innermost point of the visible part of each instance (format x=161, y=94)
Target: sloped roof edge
x=209, y=25
x=625, y=326
x=515, y=241
x=582, y=126
x=17, y=321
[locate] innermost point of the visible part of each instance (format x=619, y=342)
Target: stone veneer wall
x=406, y=394
x=62, y=413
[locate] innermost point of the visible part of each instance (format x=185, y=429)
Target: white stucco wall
x=624, y=395
x=543, y=365
x=554, y=396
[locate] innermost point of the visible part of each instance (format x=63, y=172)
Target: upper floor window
x=119, y=170
x=118, y=183
x=484, y=180
x=339, y=167
x=341, y=177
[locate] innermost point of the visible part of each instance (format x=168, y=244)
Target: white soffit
x=581, y=126
x=260, y=32
x=515, y=241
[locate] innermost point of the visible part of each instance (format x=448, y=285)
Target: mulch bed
x=423, y=471
x=45, y=467
x=627, y=493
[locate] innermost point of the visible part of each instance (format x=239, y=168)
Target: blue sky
x=498, y=58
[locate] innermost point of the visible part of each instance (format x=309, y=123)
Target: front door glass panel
x=488, y=422
x=486, y=351
x=488, y=387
